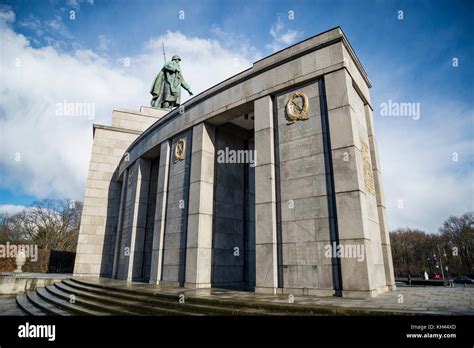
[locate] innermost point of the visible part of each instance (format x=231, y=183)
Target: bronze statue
x=166, y=89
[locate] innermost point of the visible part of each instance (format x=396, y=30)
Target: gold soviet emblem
x=297, y=107
x=180, y=150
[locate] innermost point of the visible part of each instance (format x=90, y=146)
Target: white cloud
x=418, y=167
x=6, y=14
x=417, y=156
x=76, y=4
x=53, y=32
x=34, y=24
x=54, y=151
x=205, y=62
x=103, y=42
x=282, y=38
x=11, y=209
x=236, y=43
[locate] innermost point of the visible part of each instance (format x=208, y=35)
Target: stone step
x=133, y=305
x=209, y=308
x=156, y=300
x=266, y=307
x=77, y=308
x=28, y=307
x=127, y=290
x=104, y=297
x=167, y=306
x=135, y=290
x=46, y=306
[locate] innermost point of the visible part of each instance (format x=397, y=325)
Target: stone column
x=351, y=184
x=118, y=237
x=265, y=198
x=160, y=214
x=139, y=209
x=201, y=199
x=381, y=210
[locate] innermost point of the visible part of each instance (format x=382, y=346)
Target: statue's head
x=176, y=58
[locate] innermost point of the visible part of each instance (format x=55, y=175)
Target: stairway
x=84, y=297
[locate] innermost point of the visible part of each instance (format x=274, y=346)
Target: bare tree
x=52, y=224
x=416, y=251
x=458, y=234
x=411, y=251
x=4, y=227
x=10, y=230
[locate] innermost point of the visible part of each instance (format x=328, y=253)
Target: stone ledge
x=114, y=129
x=140, y=113
x=20, y=282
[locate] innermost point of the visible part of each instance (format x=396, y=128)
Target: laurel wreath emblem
x=295, y=110
x=180, y=150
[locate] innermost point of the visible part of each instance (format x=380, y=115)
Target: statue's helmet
x=176, y=57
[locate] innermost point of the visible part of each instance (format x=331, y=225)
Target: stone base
x=367, y=293
x=197, y=285
x=151, y=111
x=82, y=274
x=382, y=289
x=266, y=290
x=166, y=283
x=359, y=293
x=324, y=292
x=307, y=292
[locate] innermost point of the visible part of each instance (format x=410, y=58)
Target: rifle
x=164, y=54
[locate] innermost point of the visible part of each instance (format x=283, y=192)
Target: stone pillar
x=265, y=198
x=118, y=237
x=177, y=208
x=160, y=214
x=381, y=210
x=139, y=209
x=357, y=226
x=201, y=199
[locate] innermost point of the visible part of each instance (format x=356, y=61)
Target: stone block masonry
x=98, y=231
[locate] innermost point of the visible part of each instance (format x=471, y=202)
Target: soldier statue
x=166, y=89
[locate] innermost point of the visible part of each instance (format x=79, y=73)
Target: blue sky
x=407, y=60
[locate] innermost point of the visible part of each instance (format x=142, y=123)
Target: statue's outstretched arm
x=186, y=86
